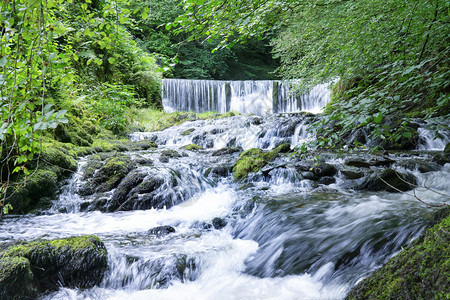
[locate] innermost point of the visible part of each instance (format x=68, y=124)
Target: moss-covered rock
x=113, y=170
x=188, y=132
x=421, y=271
x=252, y=160
x=40, y=184
x=142, y=145
x=192, y=147
x=16, y=278
x=47, y=264
x=227, y=150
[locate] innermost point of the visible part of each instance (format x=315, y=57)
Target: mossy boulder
x=43, y=265
x=108, y=176
x=188, y=132
x=389, y=180
x=16, y=278
x=170, y=153
x=40, y=184
x=443, y=157
x=192, y=147
x=421, y=271
x=142, y=145
x=227, y=150
x=254, y=159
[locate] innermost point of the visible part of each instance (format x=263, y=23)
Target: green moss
x=421, y=271
x=16, y=278
x=247, y=165
x=251, y=152
x=188, y=132
x=252, y=160
x=192, y=147
x=76, y=261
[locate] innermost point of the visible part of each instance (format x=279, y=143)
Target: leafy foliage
x=55, y=55
x=392, y=57
x=182, y=58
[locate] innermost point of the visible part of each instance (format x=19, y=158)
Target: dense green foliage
x=392, y=57
x=193, y=59
x=61, y=60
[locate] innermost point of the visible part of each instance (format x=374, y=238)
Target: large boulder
x=31, y=268
x=421, y=271
x=108, y=176
x=389, y=180
x=16, y=278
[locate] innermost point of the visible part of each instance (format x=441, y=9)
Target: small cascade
x=294, y=229
x=429, y=139
x=258, y=97
x=237, y=131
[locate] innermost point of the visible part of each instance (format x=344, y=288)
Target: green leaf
x=407, y=134
x=377, y=119
x=112, y=60
x=144, y=15
x=3, y=61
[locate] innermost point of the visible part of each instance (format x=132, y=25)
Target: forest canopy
x=390, y=57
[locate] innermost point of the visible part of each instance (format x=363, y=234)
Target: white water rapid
x=247, y=97
x=283, y=234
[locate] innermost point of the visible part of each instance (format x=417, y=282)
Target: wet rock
x=421, y=271
x=199, y=139
x=352, y=173
x=389, y=180
x=143, y=161
x=161, y=231
x=327, y=180
x=283, y=148
x=192, y=147
x=287, y=128
x=209, y=143
x=444, y=157
x=149, y=184
x=378, y=162
x=256, y=121
x=227, y=150
x=170, y=153
x=357, y=163
x=216, y=131
x=381, y=162
x=16, y=278
x=109, y=175
x=231, y=143
x=142, y=145
x=164, y=159
x=167, y=269
x=188, y=132
x=40, y=185
x=219, y=223
x=324, y=169
x=46, y=265
x=219, y=171
x=125, y=190
x=309, y=175
x=421, y=166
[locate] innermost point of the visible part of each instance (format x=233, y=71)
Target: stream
x=278, y=235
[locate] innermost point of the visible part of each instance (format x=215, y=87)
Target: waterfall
x=258, y=97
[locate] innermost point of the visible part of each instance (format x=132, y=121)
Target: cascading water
x=283, y=235
x=247, y=97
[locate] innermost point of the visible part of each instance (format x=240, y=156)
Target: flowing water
x=259, y=97
x=284, y=236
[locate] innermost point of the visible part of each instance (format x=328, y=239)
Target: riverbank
x=267, y=218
